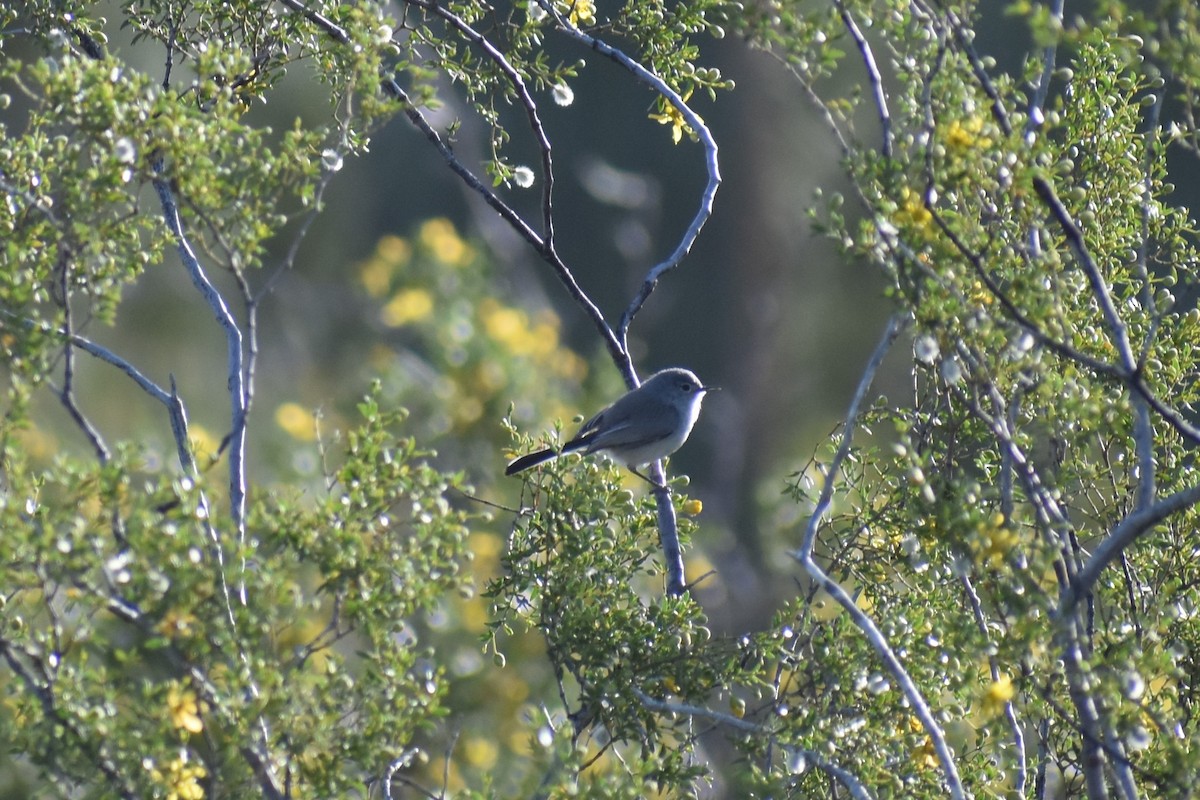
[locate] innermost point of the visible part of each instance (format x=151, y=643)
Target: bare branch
x=1124, y=534
x=548, y=254
x=1038, y=102
x=860, y=619
x=1010, y=710
x=1091, y=269
x=650, y=282
x=668, y=531
x=721, y=718
x=873, y=77
x=527, y=102
x=320, y=20
x=852, y=784
x=67, y=393
x=233, y=338
x=91, y=745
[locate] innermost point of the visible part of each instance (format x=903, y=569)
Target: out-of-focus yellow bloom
x=698, y=566
x=204, y=444
x=467, y=410
x=442, y=240
x=486, y=549
x=912, y=213
x=175, y=623
x=185, y=709
x=181, y=779
x=474, y=615
x=965, y=134
x=568, y=364
x=391, y=253
x=35, y=442
x=480, y=752
x=511, y=327
x=998, y=693
x=395, y=250
x=981, y=295
x=692, y=507
x=995, y=542
x=297, y=422
x=737, y=707
x=924, y=756
x=408, y=305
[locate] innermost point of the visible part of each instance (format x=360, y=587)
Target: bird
x=642, y=426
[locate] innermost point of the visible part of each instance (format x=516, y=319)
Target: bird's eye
x=686, y=386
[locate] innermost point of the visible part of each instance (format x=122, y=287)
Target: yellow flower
x=995, y=541
x=924, y=756
x=583, y=12
x=391, y=253
x=176, y=623
x=185, y=709
x=440, y=238
x=981, y=295
x=181, y=779
x=409, y=305
x=692, y=507
x=998, y=693
x=204, y=444
x=962, y=135
x=395, y=250
x=297, y=421
x=480, y=752
x=912, y=213
x=669, y=114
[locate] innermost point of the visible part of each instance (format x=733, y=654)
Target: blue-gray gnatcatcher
x=646, y=424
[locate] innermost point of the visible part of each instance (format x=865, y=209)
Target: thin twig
x=1091, y=269
x=1124, y=534
x=1010, y=709
x=668, y=531
x=526, y=100
x=518, y=224
x=67, y=393
x=93, y=746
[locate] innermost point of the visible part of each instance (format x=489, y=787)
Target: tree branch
x=873, y=77
x=650, y=282
x=1124, y=534
x=860, y=619
x=233, y=337
x=852, y=783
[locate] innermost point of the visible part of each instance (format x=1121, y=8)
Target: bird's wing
x=613, y=428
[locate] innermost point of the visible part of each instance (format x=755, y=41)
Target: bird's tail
x=531, y=460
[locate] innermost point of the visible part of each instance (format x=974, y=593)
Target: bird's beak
x=707, y=389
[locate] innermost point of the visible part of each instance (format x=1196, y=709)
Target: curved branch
x=860, y=618
x=873, y=76
x=1091, y=269
x=650, y=282
x=840, y=774
x=545, y=250
x=233, y=339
